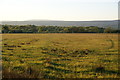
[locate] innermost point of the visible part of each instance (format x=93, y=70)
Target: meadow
x=57, y=55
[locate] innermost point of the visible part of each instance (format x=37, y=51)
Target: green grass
x=60, y=55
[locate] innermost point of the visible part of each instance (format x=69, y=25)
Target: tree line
x=56, y=29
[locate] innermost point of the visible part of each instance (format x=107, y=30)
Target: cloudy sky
x=67, y=10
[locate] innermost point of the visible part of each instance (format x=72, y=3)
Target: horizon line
x=58, y=20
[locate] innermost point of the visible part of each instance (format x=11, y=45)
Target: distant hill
x=109, y=23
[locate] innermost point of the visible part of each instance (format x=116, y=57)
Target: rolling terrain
x=109, y=23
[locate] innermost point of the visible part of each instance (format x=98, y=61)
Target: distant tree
x=55, y=29
x=5, y=29
x=108, y=30
x=101, y=30
x=65, y=30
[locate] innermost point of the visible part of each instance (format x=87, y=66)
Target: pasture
x=55, y=55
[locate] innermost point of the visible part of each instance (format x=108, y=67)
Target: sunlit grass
x=60, y=55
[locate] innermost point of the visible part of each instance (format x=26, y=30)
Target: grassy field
x=60, y=55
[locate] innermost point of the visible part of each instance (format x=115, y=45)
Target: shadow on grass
x=58, y=69
x=110, y=72
x=56, y=64
x=62, y=60
x=49, y=77
x=50, y=54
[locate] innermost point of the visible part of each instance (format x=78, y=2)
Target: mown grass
x=60, y=55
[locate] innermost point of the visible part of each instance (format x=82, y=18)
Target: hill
x=109, y=23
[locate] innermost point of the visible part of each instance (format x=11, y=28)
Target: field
x=60, y=55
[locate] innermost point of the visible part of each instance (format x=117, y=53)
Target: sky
x=67, y=10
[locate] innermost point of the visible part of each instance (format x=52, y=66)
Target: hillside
x=109, y=23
